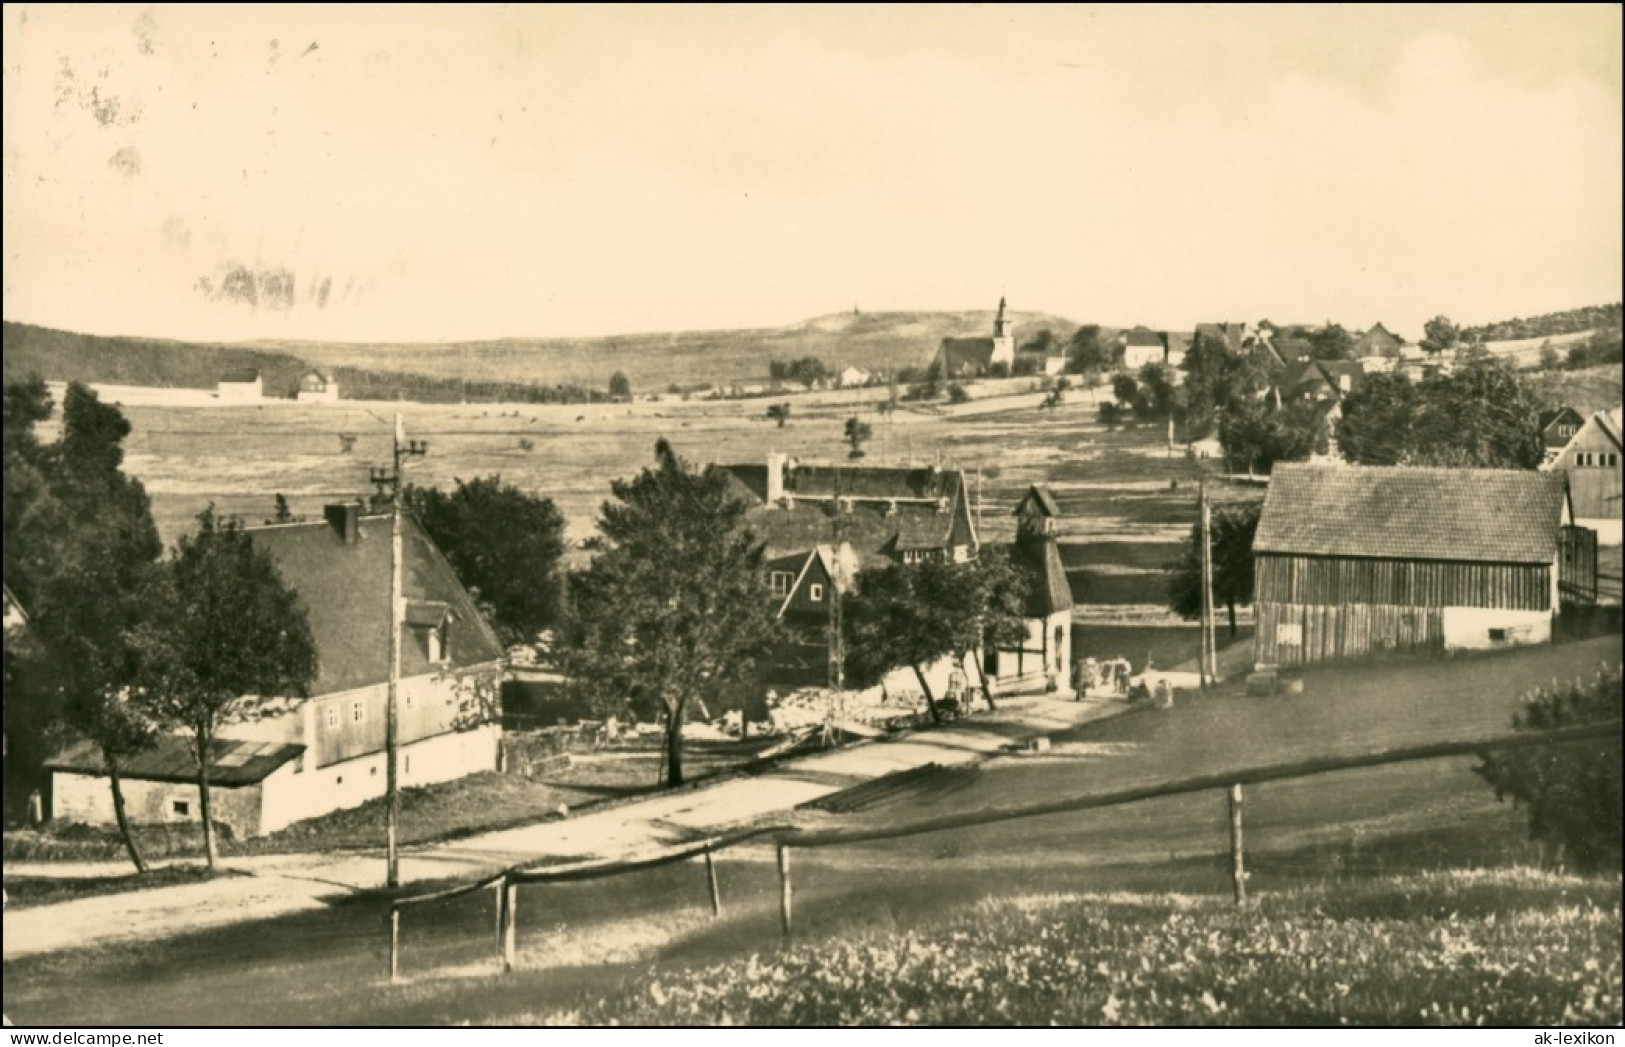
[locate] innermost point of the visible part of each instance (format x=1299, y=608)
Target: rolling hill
x=652, y=361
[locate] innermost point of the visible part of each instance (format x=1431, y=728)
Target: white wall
x=1468, y=628
x=1608, y=530
x=89, y=799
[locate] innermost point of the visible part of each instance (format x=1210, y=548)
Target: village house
x=316, y=387
x=853, y=378
x=1142, y=346
x=1590, y=459
x=1377, y=340
x=1175, y=344
x=326, y=752
x=1557, y=428
x=240, y=385
x=971, y=357
x=1351, y=561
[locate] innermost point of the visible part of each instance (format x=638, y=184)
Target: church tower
x=1004, y=343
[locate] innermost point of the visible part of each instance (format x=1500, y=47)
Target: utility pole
x=1209, y=654
x=403, y=449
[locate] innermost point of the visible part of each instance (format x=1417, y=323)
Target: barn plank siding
x=1338, y=581
x=1327, y=633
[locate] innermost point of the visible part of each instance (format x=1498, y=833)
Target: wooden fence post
x=1238, y=870
x=711, y=880
x=510, y=907
x=394, y=943
x=500, y=898
x=784, y=888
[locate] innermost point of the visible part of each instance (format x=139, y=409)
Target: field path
x=284, y=884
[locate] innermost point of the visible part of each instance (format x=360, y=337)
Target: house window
x=181, y=807
x=815, y=592
x=406, y=699
x=781, y=581
x=358, y=712
x=437, y=645
x=1498, y=634
x=332, y=716
x=1610, y=460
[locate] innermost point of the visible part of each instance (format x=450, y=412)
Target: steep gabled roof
x=1469, y=515
x=345, y=591
x=957, y=354
x=1143, y=336
x=1048, y=591
x=1040, y=495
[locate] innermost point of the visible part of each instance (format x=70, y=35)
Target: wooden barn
x=1351, y=561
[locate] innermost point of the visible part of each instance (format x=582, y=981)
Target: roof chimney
x=775, y=477
x=345, y=519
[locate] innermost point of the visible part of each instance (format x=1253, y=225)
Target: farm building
x=970, y=357
x=316, y=387
x=326, y=752
x=853, y=378
x=1353, y=561
x=1377, y=340
x=1142, y=346
x=241, y=385
x=1591, y=461
x=1045, y=654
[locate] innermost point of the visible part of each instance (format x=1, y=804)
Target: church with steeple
x=970, y=357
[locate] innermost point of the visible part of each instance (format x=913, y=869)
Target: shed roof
x=231, y=762
x=1408, y=513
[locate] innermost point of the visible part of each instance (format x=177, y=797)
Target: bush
x=1109, y=414
x=957, y=394
x=1572, y=790
x=999, y=370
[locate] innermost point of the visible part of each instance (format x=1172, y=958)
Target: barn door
x=1577, y=565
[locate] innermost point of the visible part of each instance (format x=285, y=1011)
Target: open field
x=583, y=942
x=1119, y=486
x=1588, y=390
x=652, y=361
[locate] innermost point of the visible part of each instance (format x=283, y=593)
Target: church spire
x=1001, y=326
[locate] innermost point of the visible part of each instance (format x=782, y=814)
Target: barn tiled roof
x=231, y=762
x=1405, y=513
x=1143, y=336
x=345, y=591
x=959, y=354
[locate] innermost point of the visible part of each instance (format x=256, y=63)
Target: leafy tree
x=1125, y=389
x=779, y=413
x=1259, y=435
x=225, y=635
x=80, y=550
x=1440, y=335
x=1231, y=538
x=1043, y=343
x=1087, y=352
x=858, y=433
x=620, y=386
x=914, y=614
x=1157, y=399
x=1377, y=420
x=1331, y=342
x=505, y=545
x=1109, y=414
x=673, y=609
x=283, y=513
x=1482, y=415
x=1218, y=380
x=1550, y=358
x=1572, y=791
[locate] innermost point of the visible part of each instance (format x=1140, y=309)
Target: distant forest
x=62, y=356
x=1569, y=321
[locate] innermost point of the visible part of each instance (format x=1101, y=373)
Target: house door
x=990, y=663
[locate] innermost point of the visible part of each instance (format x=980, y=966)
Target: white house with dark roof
x=325, y=752
x=1351, y=561
x=317, y=387
x=1591, y=459
x=240, y=385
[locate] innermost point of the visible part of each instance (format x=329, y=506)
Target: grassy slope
x=652, y=361
x=1592, y=389
x=1455, y=950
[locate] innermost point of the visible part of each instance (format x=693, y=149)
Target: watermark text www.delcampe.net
x=88, y=1039
x=1573, y=1039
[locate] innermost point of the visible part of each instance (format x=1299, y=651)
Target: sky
x=438, y=173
